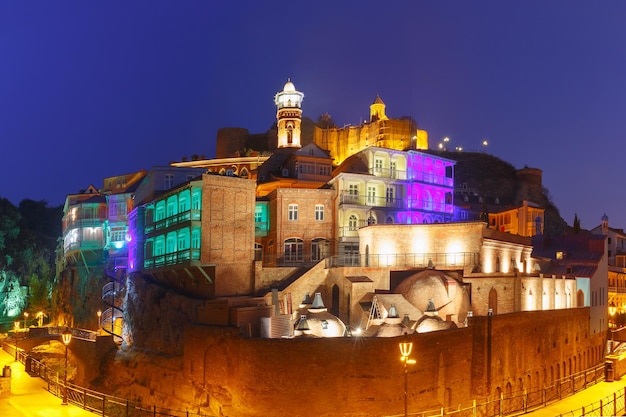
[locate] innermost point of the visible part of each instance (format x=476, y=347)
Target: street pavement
x=29, y=397
x=572, y=406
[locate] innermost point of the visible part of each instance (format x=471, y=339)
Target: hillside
x=494, y=185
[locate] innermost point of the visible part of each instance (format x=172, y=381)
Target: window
x=258, y=214
x=183, y=239
x=389, y=195
x=258, y=252
x=169, y=181
x=172, y=206
x=196, y=199
x=319, y=249
x=371, y=195
x=195, y=238
x=319, y=212
x=88, y=213
x=183, y=201
x=392, y=169
x=159, y=246
x=353, y=194
x=352, y=222
x=378, y=165
x=170, y=243
x=293, y=250
x=293, y=212
x=118, y=235
x=159, y=211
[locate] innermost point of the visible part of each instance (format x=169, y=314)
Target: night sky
x=91, y=89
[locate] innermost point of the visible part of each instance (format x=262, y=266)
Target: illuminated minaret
x=289, y=116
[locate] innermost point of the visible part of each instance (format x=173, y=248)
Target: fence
x=97, y=402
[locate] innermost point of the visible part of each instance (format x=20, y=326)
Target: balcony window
x=371, y=195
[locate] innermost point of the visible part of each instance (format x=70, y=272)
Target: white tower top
x=289, y=116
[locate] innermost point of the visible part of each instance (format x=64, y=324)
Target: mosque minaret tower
x=289, y=116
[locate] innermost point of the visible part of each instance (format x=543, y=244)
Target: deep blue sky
x=94, y=89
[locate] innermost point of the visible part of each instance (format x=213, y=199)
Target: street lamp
x=405, y=351
x=66, y=336
x=485, y=143
x=99, y=314
x=40, y=318
x=17, y=326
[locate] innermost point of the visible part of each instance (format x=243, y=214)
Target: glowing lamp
x=66, y=336
x=405, y=349
x=612, y=308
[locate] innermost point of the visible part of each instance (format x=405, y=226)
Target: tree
x=576, y=224
x=325, y=121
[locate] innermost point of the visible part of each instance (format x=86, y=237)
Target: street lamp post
x=405, y=351
x=17, y=326
x=99, y=313
x=66, y=337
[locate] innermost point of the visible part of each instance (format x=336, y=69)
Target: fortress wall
x=364, y=377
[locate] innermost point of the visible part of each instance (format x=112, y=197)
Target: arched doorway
x=493, y=300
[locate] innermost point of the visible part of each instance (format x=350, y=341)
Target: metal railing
x=395, y=203
x=520, y=402
x=97, y=402
x=188, y=215
x=408, y=260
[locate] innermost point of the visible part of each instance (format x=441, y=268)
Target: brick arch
x=580, y=298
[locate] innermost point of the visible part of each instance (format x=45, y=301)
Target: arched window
x=352, y=222
x=294, y=249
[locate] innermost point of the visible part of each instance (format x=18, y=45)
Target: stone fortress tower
x=289, y=116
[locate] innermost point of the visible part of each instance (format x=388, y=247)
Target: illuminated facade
x=299, y=226
x=198, y=237
x=381, y=131
x=84, y=216
x=379, y=185
x=525, y=220
x=616, y=255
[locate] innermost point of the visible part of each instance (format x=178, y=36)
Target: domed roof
x=447, y=294
x=432, y=323
x=289, y=87
x=316, y=321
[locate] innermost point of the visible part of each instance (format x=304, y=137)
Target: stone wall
x=364, y=377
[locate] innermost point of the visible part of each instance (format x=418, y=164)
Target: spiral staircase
x=113, y=293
